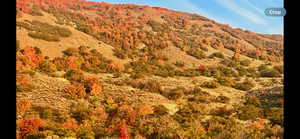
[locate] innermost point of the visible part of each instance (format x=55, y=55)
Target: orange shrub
x=19, y=65
x=160, y=62
x=28, y=125
x=75, y=91
x=259, y=124
x=69, y=62
x=29, y=58
x=116, y=66
x=59, y=63
x=70, y=124
x=119, y=66
x=145, y=110
x=93, y=86
x=34, y=58
x=23, y=105
x=202, y=67
x=72, y=62
x=99, y=114
x=123, y=129
x=23, y=82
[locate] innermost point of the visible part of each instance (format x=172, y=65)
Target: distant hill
x=128, y=27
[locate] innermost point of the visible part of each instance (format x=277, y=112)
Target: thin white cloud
x=250, y=4
x=186, y=5
x=245, y=13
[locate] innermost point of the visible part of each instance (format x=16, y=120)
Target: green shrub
x=45, y=31
x=176, y=93
x=187, y=73
x=198, y=91
x=249, y=112
x=253, y=101
x=269, y=73
x=244, y=86
x=63, y=132
x=229, y=72
x=245, y=62
x=191, y=112
x=262, y=67
x=279, y=68
x=24, y=25
x=63, y=32
x=137, y=75
x=210, y=84
x=196, y=53
x=17, y=45
x=226, y=81
x=242, y=71
x=230, y=63
x=223, y=112
x=74, y=75
x=36, y=13
x=120, y=53
x=85, y=133
x=48, y=67
x=217, y=54
x=222, y=99
x=71, y=52
x=164, y=127
x=151, y=85
x=80, y=112
x=275, y=114
x=46, y=28
x=84, y=28
x=37, y=50
x=252, y=55
x=43, y=36
x=199, y=98
x=252, y=72
x=204, y=48
x=160, y=110
x=179, y=63
x=199, y=95
x=46, y=113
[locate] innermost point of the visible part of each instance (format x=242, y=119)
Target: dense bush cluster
x=210, y=84
x=245, y=85
x=196, y=53
x=44, y=31
x=270, y=73
x=217, y=54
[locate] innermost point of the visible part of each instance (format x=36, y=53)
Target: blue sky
x=245, y=14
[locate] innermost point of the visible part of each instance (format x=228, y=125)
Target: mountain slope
x=98, y=70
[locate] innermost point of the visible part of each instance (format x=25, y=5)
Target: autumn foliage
x=93, y=86
x=75, y=91
x=70, y=124
x=28, y=125
x=69, y=62
x=23, y=82
x=28, y=58
x=23, y=105
x=202, y=67
x=123, y=130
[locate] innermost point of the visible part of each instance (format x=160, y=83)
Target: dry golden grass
x=54, y=49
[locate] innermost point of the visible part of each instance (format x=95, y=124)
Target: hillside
x=100, y=70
